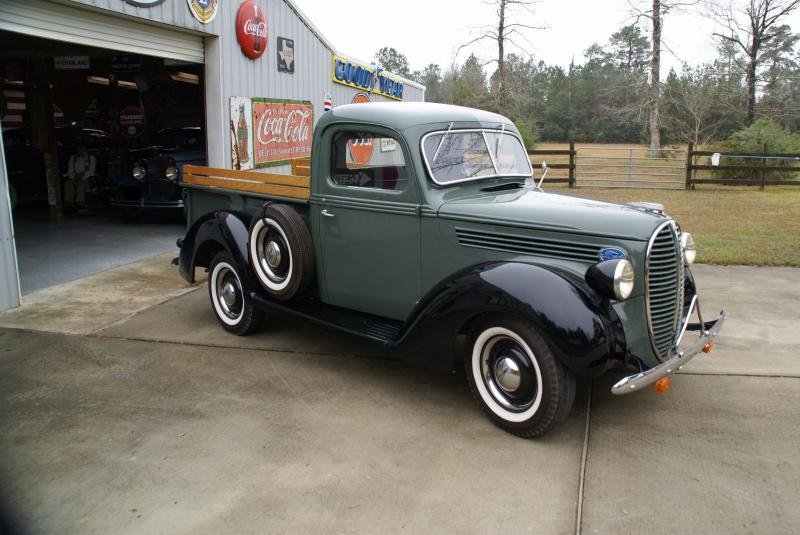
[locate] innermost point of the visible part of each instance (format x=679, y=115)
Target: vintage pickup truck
x=421, y=226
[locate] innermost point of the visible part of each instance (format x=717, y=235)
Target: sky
x=430, y=31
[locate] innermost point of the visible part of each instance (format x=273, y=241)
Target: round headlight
x=612, y=279
x=623, y=280
x=689, y=250
x=171, y=173
x=139, y=172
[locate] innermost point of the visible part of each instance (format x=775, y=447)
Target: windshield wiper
x=439, y=146
x=499, y=138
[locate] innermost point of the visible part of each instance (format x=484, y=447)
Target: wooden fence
x=762, y=163
x=570, y=166
x=757, y=166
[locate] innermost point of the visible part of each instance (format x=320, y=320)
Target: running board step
x=375, y=328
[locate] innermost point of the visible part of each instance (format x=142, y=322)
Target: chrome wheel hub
x=508, y=373
x=506, y=370
x=229, y=294
x=273, y=254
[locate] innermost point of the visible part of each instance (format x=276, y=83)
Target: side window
x=368, y=160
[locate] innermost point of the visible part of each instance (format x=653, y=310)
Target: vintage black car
x=153, y=179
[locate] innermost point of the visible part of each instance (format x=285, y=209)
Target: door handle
x=326, y=213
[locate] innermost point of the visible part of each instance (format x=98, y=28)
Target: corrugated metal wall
x=9, y=276
x=312, y=78
x=101, y=28
x=172, y=12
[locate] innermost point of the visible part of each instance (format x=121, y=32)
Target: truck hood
x=553, y=212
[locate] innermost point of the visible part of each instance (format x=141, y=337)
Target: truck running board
x=374, y=328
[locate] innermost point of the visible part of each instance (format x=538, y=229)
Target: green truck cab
x=424, y=229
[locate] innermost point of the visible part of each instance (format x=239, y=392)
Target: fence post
x=763, y=172
x=630, y=167
x=572, y=164
x=689, y=163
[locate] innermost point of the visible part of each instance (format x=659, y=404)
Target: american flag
x=13, y=107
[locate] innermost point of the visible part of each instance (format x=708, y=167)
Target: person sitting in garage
x=80, y=168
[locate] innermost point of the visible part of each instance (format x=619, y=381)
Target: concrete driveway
x=161, y=422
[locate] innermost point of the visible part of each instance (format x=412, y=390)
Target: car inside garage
x=94, y=139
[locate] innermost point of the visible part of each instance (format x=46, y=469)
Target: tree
x=629, y=48
x=503, y=33
x=752, y=25
x=658, y=10
x=392, y=60
x=695, y=105
x=431, y=78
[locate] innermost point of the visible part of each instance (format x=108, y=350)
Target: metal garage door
x=62, y=22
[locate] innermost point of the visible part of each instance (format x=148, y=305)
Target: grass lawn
x=730, y=225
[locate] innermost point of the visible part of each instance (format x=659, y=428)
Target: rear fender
x=211, y=234
x=583, y=331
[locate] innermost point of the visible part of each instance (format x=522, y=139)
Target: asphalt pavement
x=149, y=418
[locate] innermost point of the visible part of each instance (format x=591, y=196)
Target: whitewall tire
x=231, y=304
x=281, y=251
x=516, y=378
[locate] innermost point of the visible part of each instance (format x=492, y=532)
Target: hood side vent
x=515, y=243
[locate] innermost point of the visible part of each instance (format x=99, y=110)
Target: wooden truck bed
x=295, y=186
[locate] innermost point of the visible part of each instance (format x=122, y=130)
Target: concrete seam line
x=102, y=336
x=584, y=455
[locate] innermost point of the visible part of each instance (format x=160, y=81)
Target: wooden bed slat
x=290, y=186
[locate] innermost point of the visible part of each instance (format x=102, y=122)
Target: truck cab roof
x=403, y=115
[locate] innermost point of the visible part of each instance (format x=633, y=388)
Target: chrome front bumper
x=708, y=331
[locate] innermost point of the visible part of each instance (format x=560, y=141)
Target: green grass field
x=739, y=225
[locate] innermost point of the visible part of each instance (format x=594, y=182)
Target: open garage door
x=61, y=22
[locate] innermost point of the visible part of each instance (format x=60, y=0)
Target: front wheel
x=232, y=306
x=516, y=378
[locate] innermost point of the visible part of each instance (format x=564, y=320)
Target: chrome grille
x=664, y=288
x=521, y=244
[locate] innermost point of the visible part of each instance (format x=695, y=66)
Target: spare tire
x=281, y=251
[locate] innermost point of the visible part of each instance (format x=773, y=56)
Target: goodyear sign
x=370, y=79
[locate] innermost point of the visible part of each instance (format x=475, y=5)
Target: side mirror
x=545, y=169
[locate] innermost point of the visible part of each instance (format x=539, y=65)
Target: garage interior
x=58, y=96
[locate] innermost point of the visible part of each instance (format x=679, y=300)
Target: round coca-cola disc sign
x=251, y=29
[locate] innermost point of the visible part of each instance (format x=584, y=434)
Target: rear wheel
x=232, y=306
x=281, y=251
x=516, y=378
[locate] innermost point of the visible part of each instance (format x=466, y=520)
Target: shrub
x=753, y=139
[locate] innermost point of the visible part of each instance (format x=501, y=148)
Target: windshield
x=459, y=155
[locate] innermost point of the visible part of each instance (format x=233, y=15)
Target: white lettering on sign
x=289, y=128
x=256, y=29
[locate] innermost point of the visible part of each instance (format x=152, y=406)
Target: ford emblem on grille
x=611, y=253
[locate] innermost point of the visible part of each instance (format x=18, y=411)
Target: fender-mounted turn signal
x=708, y=347
x=663, y=385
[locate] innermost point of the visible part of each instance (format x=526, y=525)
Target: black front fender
x=212, y=233
x=582, y=331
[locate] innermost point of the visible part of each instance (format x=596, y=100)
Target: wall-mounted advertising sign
x=203, y=10
x=126, y=62
x=131, y=121
x=71, y=63
x=361, y=149
x=370, y=79
x=285, y=55
x=241, y=125
x=144, y=3
x=251, y=29
x=267, y=132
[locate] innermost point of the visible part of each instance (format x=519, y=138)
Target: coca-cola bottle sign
x=251, y=29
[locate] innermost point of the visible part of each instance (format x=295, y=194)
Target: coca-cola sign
x=251, y=29
x=282, y=130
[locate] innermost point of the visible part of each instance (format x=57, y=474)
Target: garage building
x=119, y=77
